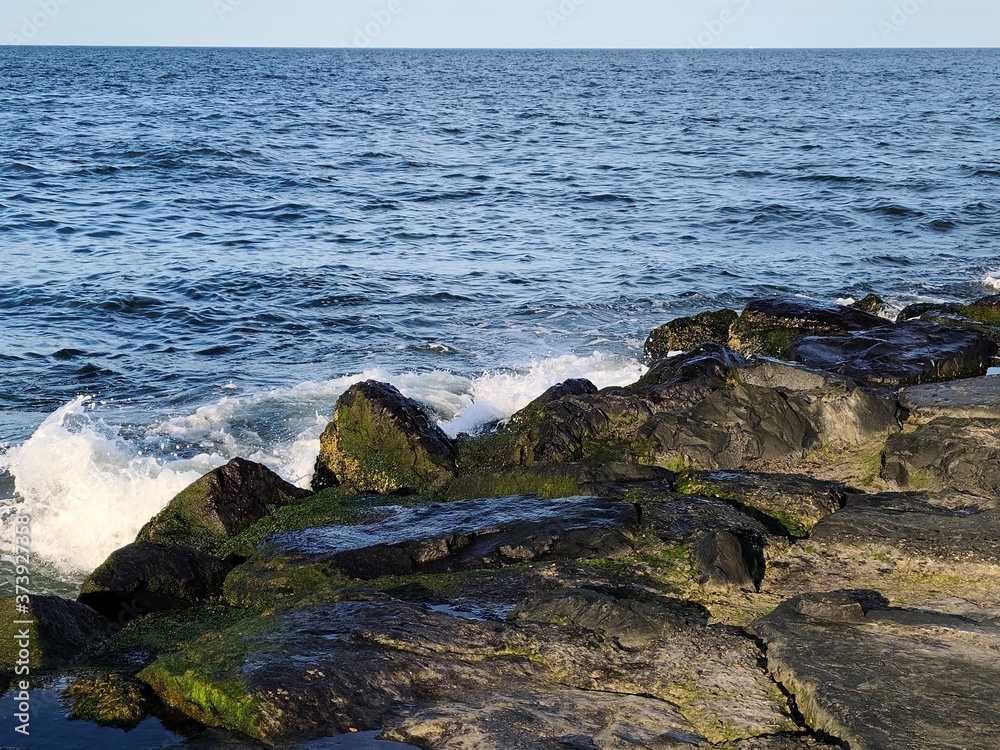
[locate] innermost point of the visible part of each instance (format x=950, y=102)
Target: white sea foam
x=90, y=490
x=992, y=280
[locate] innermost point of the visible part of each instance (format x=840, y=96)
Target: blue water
x=209, y=244
x=174, y=219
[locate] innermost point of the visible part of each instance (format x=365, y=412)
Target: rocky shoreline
x=785, y=537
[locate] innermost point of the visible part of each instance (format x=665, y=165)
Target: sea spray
x=93, y=484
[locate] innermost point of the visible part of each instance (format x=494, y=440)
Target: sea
x=203, y=248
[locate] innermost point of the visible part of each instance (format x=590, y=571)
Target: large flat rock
x=947, y=453
x=882, y=679
x=961, y=399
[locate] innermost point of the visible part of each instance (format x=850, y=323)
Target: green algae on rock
x=381, y=442
x=684, y=334
x=52, y=633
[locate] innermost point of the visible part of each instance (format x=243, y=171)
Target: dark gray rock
x=879, y=678
x=147, y=577
x=768, y=326
x=895, y=355
x=220, y=505
x=59, y=632
x=955, y=454
x=380, y=441
x=724, y=560
x=461, y=536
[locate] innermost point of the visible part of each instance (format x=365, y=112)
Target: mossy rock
x=873, y=304
x=382, y=442
x=58, y=632
x=220, y=505
x=985, y=310
x=683, y=334
x=112, y=700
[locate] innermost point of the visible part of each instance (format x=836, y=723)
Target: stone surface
x=908, y=353
x=380, y=441
x=875, y=305
x=880, y=678
x=795, y=503
x=59, y=632
x=946, y=453
x=369, y=665
x=961, y=399
x=451, y=537
x=946, y=526
x=767, y=326
x=683, y=334
x=147, y=577
x=221, y=504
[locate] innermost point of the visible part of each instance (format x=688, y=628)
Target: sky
x=504, y=23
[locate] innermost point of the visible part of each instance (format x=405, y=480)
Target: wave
x=992, y=280
x=90, y=486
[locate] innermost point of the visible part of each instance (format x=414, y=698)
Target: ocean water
x=203, y=248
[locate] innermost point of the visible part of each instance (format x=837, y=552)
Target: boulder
x=878, y=678
x=58, y=632
x=768, y=326
x=974, y=398
x=787, y=503
x=895, y=355
x=726, y=546
x=220, y=505
x=985, y=310
x=684, y=334
x=380, y=441
x=875, y=305
x=147, y=577
x=947, y=453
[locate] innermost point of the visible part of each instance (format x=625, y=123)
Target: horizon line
x=491, y=49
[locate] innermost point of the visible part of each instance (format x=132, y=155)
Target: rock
x=683, y=334
x=946, y=526
x=709, y=366
x=947, y=453
x=875, y=305
x=58, y=633
x=910, y=312
x=727, y=546
x=459, y=536
x=768, y=326
x=552, y=481
x=895, y=355
x=792, y=503
x=220, y=505
x=330, y=668
x=147, y=577
x=985, y=310
x=381, y=442
x=559, y=720
x=109, y=700
x=962, y=399
x=884, y=678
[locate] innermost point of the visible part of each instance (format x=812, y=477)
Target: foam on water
x=89, y=488
x=992, y=280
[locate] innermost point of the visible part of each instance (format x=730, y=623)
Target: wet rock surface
x=381, y=441
x=148, y=577
x=768, y=326
x=52, y=632
x=883, y=677
x=976, y=398
x=370, y=665
x=947, y=453
x=220, y=505
x=895, y=355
